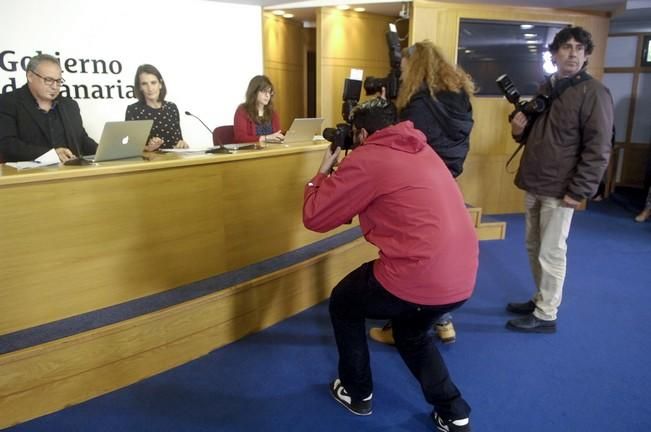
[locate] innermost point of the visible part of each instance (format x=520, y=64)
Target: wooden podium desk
x=76, y=239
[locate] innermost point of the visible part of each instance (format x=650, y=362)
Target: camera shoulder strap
x=566, y=83
x=557, y=91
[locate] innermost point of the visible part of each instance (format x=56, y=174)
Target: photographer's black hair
x=373, y=115
x=579, y=34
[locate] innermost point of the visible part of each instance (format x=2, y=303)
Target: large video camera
x=532, y=108
x=342, y=135
x=391, y=82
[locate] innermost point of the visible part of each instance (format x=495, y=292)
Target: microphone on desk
x=218, y=149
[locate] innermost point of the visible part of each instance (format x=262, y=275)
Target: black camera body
x=340, y=136
x=531, y=108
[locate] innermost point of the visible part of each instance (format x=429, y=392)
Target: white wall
x=206, y=51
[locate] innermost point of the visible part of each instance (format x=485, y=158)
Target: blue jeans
x=359, y=296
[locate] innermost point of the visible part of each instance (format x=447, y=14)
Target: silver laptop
x=122, y=140
x=303, y=130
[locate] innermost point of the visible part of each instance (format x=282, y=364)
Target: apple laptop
x=122, y=140
x=303, y=130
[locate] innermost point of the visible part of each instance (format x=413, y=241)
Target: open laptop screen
x=123, y=140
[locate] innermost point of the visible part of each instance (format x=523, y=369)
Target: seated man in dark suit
x=36, y=118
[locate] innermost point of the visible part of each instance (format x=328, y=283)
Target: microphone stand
x=79, y=161
x=218, y=149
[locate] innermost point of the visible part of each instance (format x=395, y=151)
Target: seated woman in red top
x=255, y=120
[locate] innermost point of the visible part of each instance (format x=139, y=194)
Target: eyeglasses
x=267, y=91
x=50, y=81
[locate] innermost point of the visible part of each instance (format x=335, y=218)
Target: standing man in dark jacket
x=36, y=118
x=565, y=155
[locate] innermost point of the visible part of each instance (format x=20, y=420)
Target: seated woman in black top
x=150, y=90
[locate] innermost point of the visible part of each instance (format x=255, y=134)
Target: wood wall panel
x=284, y=48
x=485, y=183
x=346, y=40
x=634, y=162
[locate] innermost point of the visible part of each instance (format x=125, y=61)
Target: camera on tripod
x=532, y=108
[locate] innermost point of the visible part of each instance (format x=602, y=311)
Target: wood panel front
x=78, y=239
x=86, y=365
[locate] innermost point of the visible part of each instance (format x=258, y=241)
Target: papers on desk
x=47, y=159
x=185, y=150
x=241, y=146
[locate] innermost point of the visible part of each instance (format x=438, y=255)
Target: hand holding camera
x=531, y=108
x=330, y=159
x=518, y=123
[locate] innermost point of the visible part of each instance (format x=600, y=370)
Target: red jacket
x=244, y=127
x=410, y=207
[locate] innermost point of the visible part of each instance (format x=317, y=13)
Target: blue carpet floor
x=593, y=375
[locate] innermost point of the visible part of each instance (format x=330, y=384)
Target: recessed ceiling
x=622, y=10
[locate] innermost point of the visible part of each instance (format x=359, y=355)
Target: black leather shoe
x=525, y=308
x=531, y=324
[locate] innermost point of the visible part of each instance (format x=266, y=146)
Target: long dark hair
x=259, y=83
x=149, y=69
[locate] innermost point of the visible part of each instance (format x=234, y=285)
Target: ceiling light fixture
x=288, y=15
x=526, y=26
x=359, y=9
x=278, y=12
x=343, y=7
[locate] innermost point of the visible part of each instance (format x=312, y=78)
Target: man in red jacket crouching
x=410, y=207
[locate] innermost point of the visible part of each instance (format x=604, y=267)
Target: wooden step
x=493, y=230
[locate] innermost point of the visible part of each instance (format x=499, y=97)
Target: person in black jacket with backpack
x=435, y=95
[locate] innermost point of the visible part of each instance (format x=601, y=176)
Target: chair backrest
x=222, y=135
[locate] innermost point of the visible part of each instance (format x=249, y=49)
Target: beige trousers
x=547, y=227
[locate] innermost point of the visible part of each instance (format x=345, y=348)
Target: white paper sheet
x=47, y=159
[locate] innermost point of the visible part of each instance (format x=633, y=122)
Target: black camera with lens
x=531, y=108
x=340, y=136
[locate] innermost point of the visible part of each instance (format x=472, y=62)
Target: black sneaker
x=521, y=308
x=531, y=324
x=461, y=425
x=362, y=408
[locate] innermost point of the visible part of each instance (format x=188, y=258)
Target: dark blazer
x=24, y=130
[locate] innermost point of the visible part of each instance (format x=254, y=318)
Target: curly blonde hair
x=425, y=65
